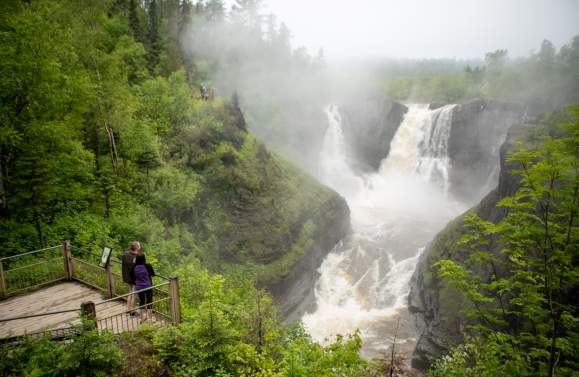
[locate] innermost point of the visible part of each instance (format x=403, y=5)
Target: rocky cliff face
x=434, y=305
x=294, y=293
x=478, y=129
x=258, y=210
x=369, y=126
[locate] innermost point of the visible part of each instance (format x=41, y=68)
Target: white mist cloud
x=425, y=28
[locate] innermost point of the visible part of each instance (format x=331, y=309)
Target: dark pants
x=146, y=298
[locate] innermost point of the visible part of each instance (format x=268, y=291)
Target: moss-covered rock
x=255, y=211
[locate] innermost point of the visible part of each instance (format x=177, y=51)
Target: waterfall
x=434, y=163
x=395, y=212
x=421, y=145
x=335, y=171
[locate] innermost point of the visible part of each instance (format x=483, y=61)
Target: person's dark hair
x=140, y=259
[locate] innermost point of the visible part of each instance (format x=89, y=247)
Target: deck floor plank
x=62, y=296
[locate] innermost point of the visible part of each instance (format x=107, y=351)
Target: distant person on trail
x=128, y=264
x=143, y=273
x=203, y=91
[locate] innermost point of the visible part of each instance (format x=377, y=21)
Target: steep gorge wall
x=294, y=292
x=478, y=129
x=257, y=212
x=434, y=305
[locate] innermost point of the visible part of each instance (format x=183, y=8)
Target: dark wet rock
x=538, y=105
x=478, y=129
x=436, y=105
x=369, y=126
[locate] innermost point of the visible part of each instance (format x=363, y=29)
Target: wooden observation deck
x=46, y=291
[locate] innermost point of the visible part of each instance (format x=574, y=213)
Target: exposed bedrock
x=434, y=305
x=478, y=129
x=294, y=293
x=369, y=126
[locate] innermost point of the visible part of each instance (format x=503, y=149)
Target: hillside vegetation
x=106, y=139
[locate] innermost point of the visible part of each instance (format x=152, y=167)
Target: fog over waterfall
x=395, y=212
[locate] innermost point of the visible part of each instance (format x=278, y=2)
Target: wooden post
x=175, y=301
x=68, y=269
x=110, y=279
x=70, y=262
x=88, y=311
x=2, y=282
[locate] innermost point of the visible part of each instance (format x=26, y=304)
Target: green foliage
x=446, y=88
x=90, y=354
x=103, y=141
x=33, y=358
x=547, y=75
x=522, y=307
x=96, y=151
x=302, y=357
x=210, y=348
x=139, y=353
x=495, y=356
x=229, y=331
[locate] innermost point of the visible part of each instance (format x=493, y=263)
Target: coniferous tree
x=154, y=38
x=134, y=21
x=215, y=11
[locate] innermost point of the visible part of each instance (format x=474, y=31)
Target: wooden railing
x=96, y=318
x=120, y=322
x=34, y=269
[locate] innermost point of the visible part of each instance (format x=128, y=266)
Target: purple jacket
x=142, y=277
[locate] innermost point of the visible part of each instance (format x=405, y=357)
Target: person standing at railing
x=143, y=273
x=128, y=264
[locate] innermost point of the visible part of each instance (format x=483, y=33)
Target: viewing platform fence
x=34, y=269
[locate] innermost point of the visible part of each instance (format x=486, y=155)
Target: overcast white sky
x=425, y=28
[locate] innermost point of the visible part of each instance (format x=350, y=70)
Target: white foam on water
x=394, y=212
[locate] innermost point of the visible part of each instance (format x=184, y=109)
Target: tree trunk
x=112, y=149
x=108, y=129
x=554, y=358
x=38, y=227
x=3, y=198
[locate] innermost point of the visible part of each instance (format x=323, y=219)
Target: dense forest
x=547, y=75
x=105, y=138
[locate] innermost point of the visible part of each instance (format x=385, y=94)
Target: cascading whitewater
x=335, y=170
x=421, y=145
x=434, y=163
x=395, y=212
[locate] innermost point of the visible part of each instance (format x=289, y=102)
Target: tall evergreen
x=153, y=37
x=135, y=22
